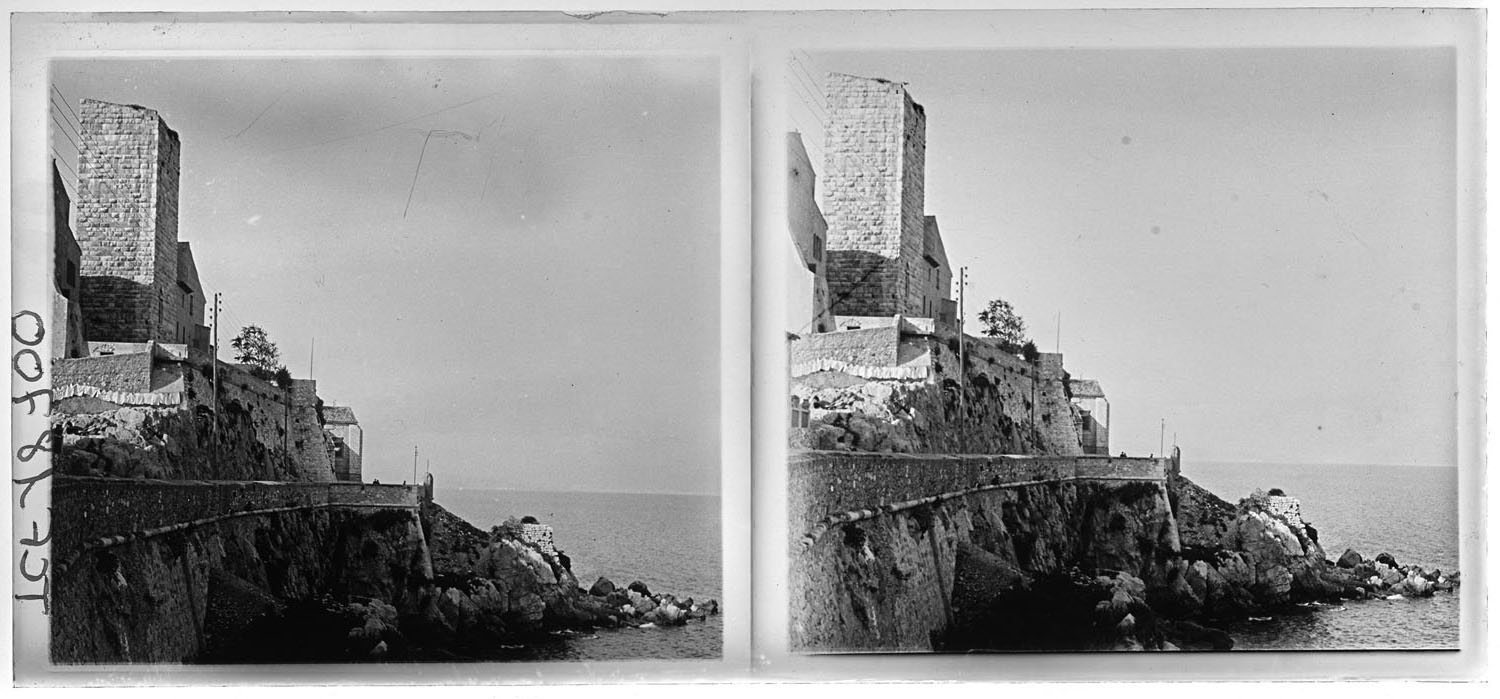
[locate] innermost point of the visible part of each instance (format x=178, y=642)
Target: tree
x=254, y=348
x=1001, y=322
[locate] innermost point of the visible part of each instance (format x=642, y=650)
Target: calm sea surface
x=1409, y=512
x=669, y=542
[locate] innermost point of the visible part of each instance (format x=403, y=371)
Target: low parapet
x=907, y=324
x=826, y=484
x=896, y=349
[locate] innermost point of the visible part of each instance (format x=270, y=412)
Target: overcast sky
x=542, y=314
x=1256, y=245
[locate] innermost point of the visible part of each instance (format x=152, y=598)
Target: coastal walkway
x=107, y=512
x=829, y=488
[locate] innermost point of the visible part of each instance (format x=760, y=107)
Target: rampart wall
x=887, y=551
x=173, y=572
x=115, y=507
x=284, y=433
x=827, y=483
x=1010, y=406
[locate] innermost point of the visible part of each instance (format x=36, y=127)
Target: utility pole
x=214, y=362
x=963, y=413
x=1162, y=442
x=414, y=465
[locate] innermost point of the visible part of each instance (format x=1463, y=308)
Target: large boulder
x=1350, y=559
x=602, y=587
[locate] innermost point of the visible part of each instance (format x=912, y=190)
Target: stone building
x=885, y=255
x=348, y=442
x=935, y=301
x=1093, y=418
x=68, y=338
x=809, y=232
x=138, y=283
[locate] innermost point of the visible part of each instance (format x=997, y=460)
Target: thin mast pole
x=963, y=429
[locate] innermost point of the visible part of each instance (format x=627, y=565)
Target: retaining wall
x=826, y=483
x=875, y=557
x=85, y=509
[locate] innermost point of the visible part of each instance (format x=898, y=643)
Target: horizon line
x=1262, y=462
x=576, y=490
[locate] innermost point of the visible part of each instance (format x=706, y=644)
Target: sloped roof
x=1085, y=388
x=339, y=415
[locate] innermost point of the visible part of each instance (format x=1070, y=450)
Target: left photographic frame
x=379, y=343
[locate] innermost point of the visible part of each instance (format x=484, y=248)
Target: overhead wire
x=68, y=105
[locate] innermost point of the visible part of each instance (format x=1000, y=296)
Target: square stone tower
x=873, y=195
x=127, y=224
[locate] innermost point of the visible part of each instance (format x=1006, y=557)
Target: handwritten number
x=29, y=482
x=15, y=363
x=15, y=330
x=30, y=399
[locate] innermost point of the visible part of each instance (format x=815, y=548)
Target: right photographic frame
x=1123, y=344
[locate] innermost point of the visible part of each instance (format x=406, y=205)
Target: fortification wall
x=178, y=596
x=1010, y=406
x=286, y=423
x=897, y=572
x=123, y=429
x=539, y=535
x=827, y=483
x=102, y=507
x=1286, y=507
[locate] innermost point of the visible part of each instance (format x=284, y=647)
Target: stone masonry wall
x=897, y=579
x=867, y=180
x=1010, y=406
x=1057, y=417
x=823, y=483
x=263, y=432
x=127, y=223
x=119, y=372
x=169, y=295
x=282, y=420
x=100, y=507
x=1286, y=507
x=174, y=597
x=914, y=267
x=539, y=535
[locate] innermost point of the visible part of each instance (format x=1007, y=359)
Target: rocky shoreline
x=1250, y=561
x=487, y=593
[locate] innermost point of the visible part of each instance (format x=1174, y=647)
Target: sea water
x=1410, y=512
x=670, y=542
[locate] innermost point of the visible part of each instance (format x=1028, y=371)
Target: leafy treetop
x=1001, y=322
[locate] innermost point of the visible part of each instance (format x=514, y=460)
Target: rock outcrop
x=489, y=587
x=1009, y=405
x=1253, y=558
x=1079, y=565
x=330, y=585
